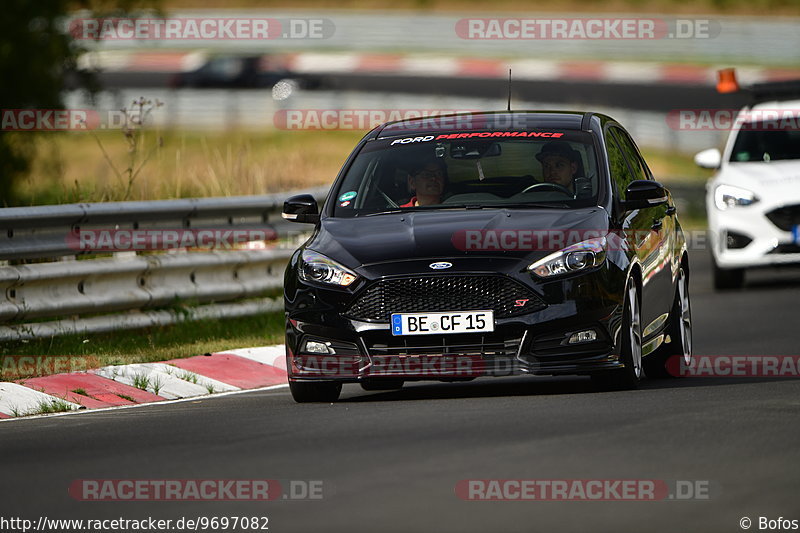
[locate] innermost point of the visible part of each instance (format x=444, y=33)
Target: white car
x=753, y=200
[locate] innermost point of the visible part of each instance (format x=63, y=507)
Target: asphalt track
x=389, y=461
x=643, y=96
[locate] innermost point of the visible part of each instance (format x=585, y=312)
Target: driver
x=559, y=164
x=427, y=181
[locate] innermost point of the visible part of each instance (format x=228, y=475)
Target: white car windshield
x=757, y=142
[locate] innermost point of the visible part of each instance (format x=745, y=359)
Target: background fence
x=759, y=40
x=256, y=109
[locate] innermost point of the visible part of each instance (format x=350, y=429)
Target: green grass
x=156, y=385
x=191, y=377
x=140, y=381
x=47, y=407
x=154, y=344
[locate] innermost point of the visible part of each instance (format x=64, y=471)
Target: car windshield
x=471, y=170
x=756, y=142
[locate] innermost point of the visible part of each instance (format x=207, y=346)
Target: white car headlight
x=316, y=267
x=726, y=196
x=580, y=256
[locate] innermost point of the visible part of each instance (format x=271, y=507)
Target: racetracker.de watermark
x=735, y=366
x=199, y=28
x=59, y=119
x=549, y=490
x=419, y=366
x=545, y=240
x=142, y=240
x=612, y=28
x=107, y=240
x=23, y=366
x=786, y=119
x=366, y=119
x=137, y=490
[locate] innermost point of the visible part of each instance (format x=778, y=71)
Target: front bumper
x=744, y=237
x=534, y=343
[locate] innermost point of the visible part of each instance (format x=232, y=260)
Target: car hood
x=778, y=180
x=442, y=234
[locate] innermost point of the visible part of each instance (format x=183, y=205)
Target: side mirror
x=644, y=193
x=301, y=208
x=710, y=158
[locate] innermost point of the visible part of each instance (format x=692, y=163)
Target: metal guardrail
x=136, y=290
x=137, y=319
x=105, y=285
x=44, y=231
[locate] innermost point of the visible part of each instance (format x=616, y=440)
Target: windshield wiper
x=390, y=211
x=420, y=209
x=554, y=205
x=423, y=208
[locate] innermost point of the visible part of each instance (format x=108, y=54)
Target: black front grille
x=434, y=293
x=785, y=217
x=786, y=249
x=494, y=344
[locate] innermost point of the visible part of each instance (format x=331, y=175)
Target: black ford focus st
x=487, y=244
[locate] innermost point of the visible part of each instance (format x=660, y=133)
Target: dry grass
x=72, y=168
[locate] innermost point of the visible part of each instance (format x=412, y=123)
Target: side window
x=621, y=173
x=639, y=167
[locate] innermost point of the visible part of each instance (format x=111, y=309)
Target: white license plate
x=439, y=323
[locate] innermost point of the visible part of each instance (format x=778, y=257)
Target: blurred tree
x=36, y=56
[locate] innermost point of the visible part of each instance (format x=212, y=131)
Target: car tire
x=679, y=329
x=726, y=278
x=630, y=375
x=315, y=391
x=382, y=384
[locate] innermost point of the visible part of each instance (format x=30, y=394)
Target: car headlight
x=316, y=267
x=580, y=256
x=726, y=196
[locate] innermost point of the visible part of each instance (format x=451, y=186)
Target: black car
x=244, y=72
x=487, y=244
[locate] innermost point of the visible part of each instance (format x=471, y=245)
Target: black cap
x=560, y=148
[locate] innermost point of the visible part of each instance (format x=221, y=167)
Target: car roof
x=483, y=120
x=779, y=105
